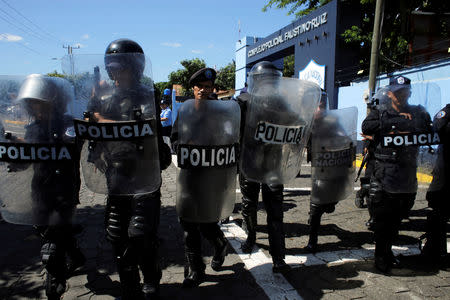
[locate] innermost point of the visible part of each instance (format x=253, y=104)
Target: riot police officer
x=393, y=183
x=54, y=180
x=332, y=162
x=197, y=219
x=132, y=208
x=272, y=194
x=435, y=248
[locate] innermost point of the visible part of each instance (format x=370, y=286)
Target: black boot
x=194, y=270
x=249, y=226
x=279, y=265
x=149, y=263
x=54, y=288
x=314, y=224
x=220, y=251
x=130, y=283
x=76, y=259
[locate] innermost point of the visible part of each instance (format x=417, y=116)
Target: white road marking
x=274, y=285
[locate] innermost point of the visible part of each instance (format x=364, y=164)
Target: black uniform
x=393, y=182
x=272, y=196
x=195, y=267
x=436, y=234
x=131, y=221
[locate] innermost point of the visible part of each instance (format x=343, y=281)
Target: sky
x=33, y=32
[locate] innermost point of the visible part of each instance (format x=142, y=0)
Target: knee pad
x=115, y=219
x=144, y=215
x=48, y=253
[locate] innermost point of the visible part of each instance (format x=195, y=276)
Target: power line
x=37, y=26
x=30, y=31
x=21, y=44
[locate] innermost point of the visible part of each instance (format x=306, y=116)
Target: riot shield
x=277, y=126
x=40, y=179
x=333, y=147
x=406, y=153
x=207, y=155
x=120, y=151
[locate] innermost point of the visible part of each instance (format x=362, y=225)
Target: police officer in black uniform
x=131, y=220
x=202, y=83
x=435, y=248
x=272, y=195
x=55, y=185
x=393, y=183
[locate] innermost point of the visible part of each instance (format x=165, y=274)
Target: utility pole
x=70, y=53
x=379, y=7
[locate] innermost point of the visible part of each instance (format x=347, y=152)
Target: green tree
x=55, y=74
x=289, y=65
x=397, y=38
x=182, y=76
x=161, y=86
x=226, y=76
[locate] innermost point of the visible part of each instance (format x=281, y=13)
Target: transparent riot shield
x=407, y=151
x=278, y=123
x=208, y=132
x=120, y=151
x=39, y=161
x=333, y=147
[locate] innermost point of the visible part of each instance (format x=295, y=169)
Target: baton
x=363, y=163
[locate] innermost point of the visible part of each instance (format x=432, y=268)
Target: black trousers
x=387, y=210
x=131, y=224
x=193, y=234
x=272, y=196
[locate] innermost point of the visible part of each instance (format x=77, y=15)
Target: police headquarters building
x=320, y=53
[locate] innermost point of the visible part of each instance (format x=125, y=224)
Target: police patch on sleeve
x=440, y=114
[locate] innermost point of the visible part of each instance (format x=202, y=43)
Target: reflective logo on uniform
x=440, y=114
x=191, y=156
x=420, y=139
x=279, y=134
x=333, y=158
x=114, y=131
x=36, y=152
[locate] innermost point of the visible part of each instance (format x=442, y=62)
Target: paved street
x=343, y=268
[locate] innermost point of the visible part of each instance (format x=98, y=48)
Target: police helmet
x=52, y=92
x=265, y=68
x=123, y=54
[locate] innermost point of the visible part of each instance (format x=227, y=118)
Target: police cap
x=399, y=82
x=205, y=74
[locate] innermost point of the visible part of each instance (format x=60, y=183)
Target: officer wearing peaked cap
x=393, y=184
x=200, y=209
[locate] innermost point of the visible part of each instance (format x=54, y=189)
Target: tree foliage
x=396, y=39
x=226, y=77
x=289, y=65
x=55, y=74
x=182, y=76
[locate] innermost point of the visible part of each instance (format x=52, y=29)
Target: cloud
x=173, y=45
x=210, y=46
x=6, y=37
x=196, y=51
x=85, y=36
